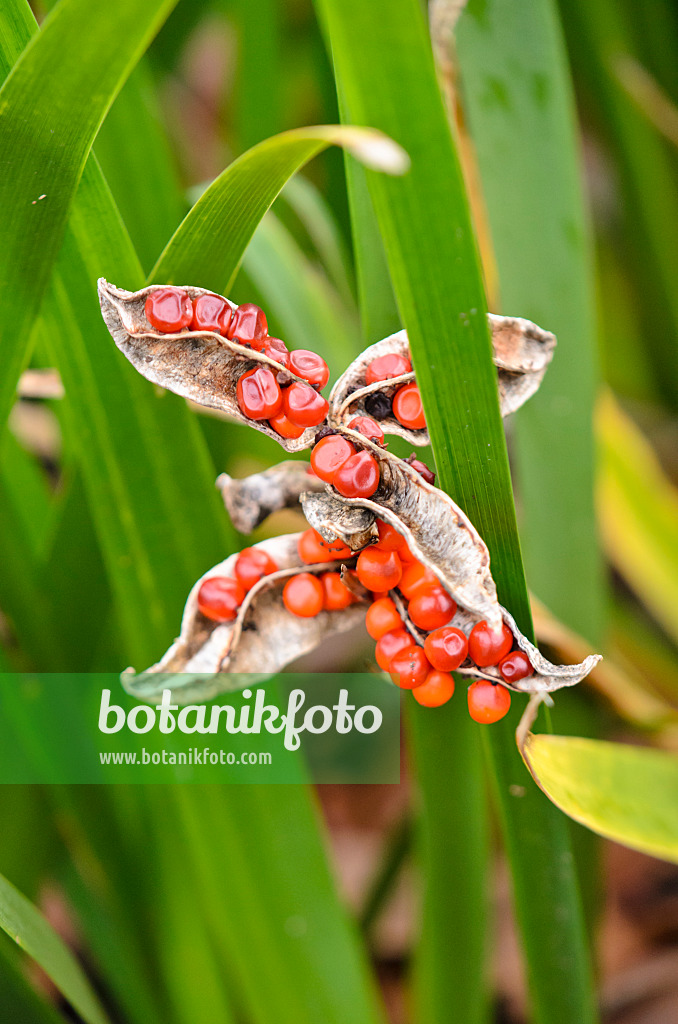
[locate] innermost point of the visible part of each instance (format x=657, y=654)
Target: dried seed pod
x=521, y=353
x=251, y=499
x=210, y=658
x=333, y=518
x=200, y=365
x=438, y=533
x=547, y=676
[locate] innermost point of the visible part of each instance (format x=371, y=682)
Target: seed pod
x=547, y=676
x=209, y=658
x=521, y=353
x=200, y=365
x=251, y=499
x=438, y=533
x=332, y=518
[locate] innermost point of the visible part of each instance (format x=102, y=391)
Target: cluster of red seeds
x=219, y=597
x=289, y=409
x=387, y=565
x=406, y=406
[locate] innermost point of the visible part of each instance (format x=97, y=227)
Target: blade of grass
x=519, y=102
x=386, y=75
x=19, y=1001
x=52, y=104
x=28, y=928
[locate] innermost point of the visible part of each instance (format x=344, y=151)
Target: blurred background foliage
x=343, y=905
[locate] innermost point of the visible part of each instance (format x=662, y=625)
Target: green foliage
x=203, y=904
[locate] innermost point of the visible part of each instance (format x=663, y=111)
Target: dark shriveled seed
x=378, y=405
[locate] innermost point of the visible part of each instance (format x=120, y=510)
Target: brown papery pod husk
x=521, y=351
x=250, y=499
x=438, y=533
x=209, y=658
x=200, y=365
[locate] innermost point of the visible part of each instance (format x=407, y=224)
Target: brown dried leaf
x=210, y=658
x=251, y=499
x=199, y=365
x=521, y=353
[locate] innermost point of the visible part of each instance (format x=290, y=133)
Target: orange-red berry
x=219, y=598
x=368, y=427
x=258, y=394
x=248, y=326
x=488, y=702
x=407, y=407
x=416, y=575
x=313, y=548
x=277, y=350
x=446, y=648
x=389, y=538
x=379, y=570
x=409, y=667
x=303, y=595
x=515, y=666
x=387, y=367
x=309, y=366
x=358, y=477
x=431, y=607
x=436, y=690
x=382, y=617
x=211, y=313
x=284, y=426
x=303, y=405
x=422, y=469
x=329, y=455
x=487, y=647
x=335, y=594
x=389, y=644
x=168, y=309
x=252, y=564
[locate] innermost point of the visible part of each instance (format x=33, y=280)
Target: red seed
x=284, y=426
x=389, y=538
x=303, y=595
x=409, y=667
x=515, y=666
x=209, y=312
x=389, y=644
x=416, y=575
x=329, y=455
x=368, y=427
x=276, y=350
x=382, y=617
x=252, y=565
x=407, y=407
x=358, y=477
x=436, y=690
x=258, y=394
x=309, y=366
x=422, y=469
x=386, y=367
x=488, y=702
x=488, y=648
x=169, y=310
x=431, y=607
x=379, y=570
x=248, y=326
x=219, y=598
x=304, y=406
x=335, y=594
x=446, y=648
x=313, y=548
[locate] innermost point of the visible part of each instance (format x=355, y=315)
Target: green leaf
x=629, y=794
x=387, y=79
x=51, y=106
x=638, y=514
x=517, y=96
x=208, y=246
x=28, y=928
